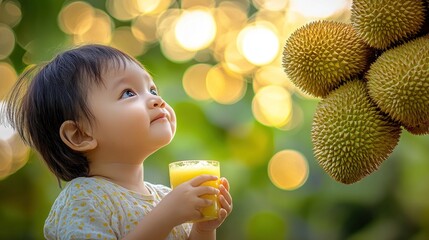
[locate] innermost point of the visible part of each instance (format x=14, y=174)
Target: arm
x=207, y=230
x=182, y=204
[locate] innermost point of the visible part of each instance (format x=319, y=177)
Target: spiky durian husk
x=398, y=81
x=350, y=136
x=419, y=129
x=321, y=55
x=380, y=23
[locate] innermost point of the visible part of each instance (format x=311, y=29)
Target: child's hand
x=184, y=202
x=225, y=200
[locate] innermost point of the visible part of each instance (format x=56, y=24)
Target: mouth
x=159, y=117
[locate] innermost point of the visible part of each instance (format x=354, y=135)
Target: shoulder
x=85, y=183
x=83, y=188
x=84, y=192
x=158, y=189
x=78, y=207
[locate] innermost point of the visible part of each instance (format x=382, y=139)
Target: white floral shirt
x=95, y=208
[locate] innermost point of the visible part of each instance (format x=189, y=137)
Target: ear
x=76, y=138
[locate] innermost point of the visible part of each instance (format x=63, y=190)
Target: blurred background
x=219, y=64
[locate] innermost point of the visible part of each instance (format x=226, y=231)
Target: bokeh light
x=316, y=9
x=276, y=19
x=20, y=153
x=225, y=86
x=5, y=158
x=230, y=18
x=272, y=106
x=100, y=30
x=76, y=18
x=8, y=78
x=258, y=43
x=13, y=152
x=152, y=7
x=172, y=50
x=271, y=75
x=235, y=61
x=10, y=13
x=272, y=5
x=288, y=169
x=186, y=4
x=195, y=29
x=7, y=41
x=124, y=39
x=144, y=28
x=166, y=21
x=123, y=10
x=194, y=81
x=295, y=120
x=6, y=131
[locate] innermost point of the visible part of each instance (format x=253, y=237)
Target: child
x=94, y=115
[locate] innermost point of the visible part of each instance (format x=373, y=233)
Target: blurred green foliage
x=392, y=203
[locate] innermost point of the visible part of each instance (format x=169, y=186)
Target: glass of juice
x=183, y=171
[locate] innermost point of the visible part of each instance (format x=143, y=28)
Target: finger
x=204, y=202
x=197, y=215
x=225, y=183
x=197, y=181
x=225, y=204
x=225, y=194
x=222, y=214
x=206, y=190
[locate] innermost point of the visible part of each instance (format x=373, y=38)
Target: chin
x=165, y=140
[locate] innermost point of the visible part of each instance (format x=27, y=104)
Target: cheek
x=172, y=117
x=121, y=123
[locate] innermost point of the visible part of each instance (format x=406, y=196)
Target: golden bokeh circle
x=224, y=86
x=172, y=50
x=76, y=18
x=288, y=169
x=272, y=106
x=144, y=28
x=5, y=158
x=20, y=153
x=195, y=29
x=8, y=78
x=99, y=32
x=271, y=75
x=194, y=81
x=10, y=13
x=124, y=39
x=7, y=41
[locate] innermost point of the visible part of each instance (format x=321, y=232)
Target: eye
x=128, y=93
x=153, y=91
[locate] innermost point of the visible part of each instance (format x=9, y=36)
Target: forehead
x=118, y=71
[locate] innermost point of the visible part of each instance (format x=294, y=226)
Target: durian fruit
x=321, y=55
x=425, y=29
x=351, y=136
x=380, y=23
x=398, y=81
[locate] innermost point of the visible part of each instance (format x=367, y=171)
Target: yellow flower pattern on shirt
x=95, y=208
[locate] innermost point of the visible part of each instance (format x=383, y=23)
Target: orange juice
x=183, y=171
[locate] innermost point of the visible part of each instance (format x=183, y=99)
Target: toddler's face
x=131, y=119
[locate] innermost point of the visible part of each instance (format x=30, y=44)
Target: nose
x=156, y=102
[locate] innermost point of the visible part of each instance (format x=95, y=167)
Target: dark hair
x=45, y=96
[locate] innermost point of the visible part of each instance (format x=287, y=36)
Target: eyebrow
x=126, y=79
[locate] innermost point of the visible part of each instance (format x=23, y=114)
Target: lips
x=159, y=116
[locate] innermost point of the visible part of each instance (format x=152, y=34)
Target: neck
x=130, y=176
